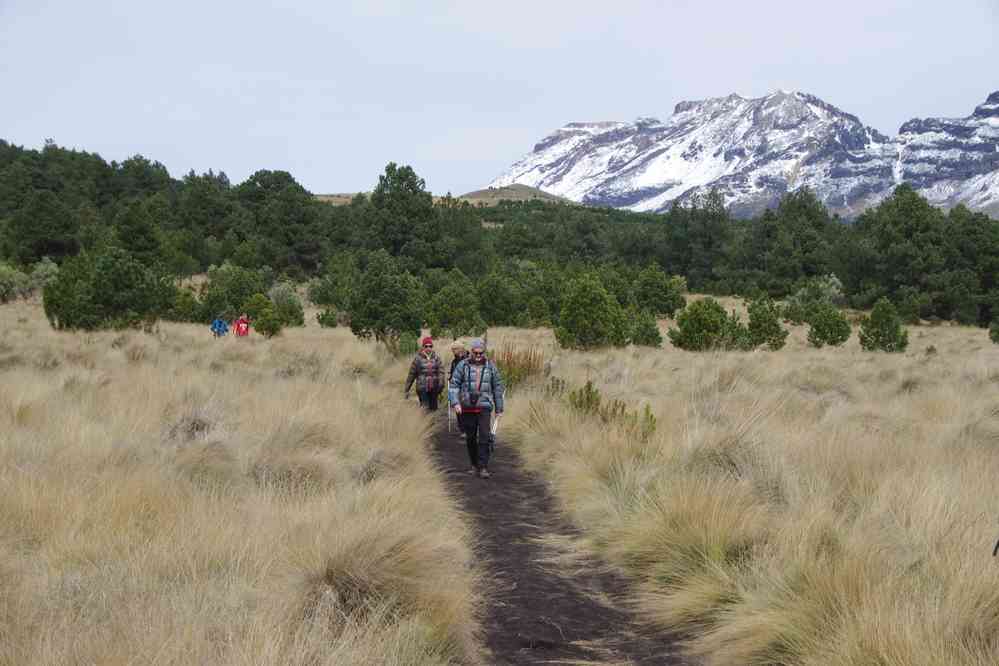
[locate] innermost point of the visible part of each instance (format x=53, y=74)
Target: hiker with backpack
x=241, y=327
x=219, y=327
x=427, y=372
x=476, y=391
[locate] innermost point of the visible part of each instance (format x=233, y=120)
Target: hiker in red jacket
x=427, y=371
x=241, y=327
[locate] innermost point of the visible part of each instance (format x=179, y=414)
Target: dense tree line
x=459, y=268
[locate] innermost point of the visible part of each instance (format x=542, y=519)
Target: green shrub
x=267, y=322
x=228, y=288
x=537, y=313
x=327, y=318
x=994, y=331
x=335, y=285
x=703, y=325
x=883, y=330
x=254, y=307
x=185, y=307
x=454, y=309
x=501, y=300
x=912, y=304
x=287, y=304
x=645, y=330
x=764, y=324
x=109, y=289
x=829, y=326
x=13, y=283
x=43, y=273
x=590, y=317
x=658, y=293
x=387, y=302
x=405, y=344
x=816, y=291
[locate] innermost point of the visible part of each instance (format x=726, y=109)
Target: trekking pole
x=450, y=418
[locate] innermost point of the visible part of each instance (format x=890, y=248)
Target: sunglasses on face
x=428, y=346
x=477, y=353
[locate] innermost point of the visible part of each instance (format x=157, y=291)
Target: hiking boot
x=483, y=473
x=472, y=471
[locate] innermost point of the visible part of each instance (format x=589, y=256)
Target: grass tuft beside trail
x=807, y=507
x=168, y=498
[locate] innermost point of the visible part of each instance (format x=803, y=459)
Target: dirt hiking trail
x=542, y=606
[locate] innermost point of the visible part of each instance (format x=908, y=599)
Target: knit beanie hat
x=477, y=343
x=427, y=341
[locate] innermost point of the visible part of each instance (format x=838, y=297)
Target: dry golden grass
x=813, y=507
x=167, y=498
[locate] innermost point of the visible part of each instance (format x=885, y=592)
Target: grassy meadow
x=814, y=507
x=166, y=498
x=172, y=499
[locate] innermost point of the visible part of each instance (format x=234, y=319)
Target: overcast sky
x=333, y=90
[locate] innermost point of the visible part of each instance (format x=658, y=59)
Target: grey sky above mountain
x=332, y=91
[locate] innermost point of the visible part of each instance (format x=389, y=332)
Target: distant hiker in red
x=427, y=371
x=476, y=391
x=241, y=327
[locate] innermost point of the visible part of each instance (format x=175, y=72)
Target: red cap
x=427, y=341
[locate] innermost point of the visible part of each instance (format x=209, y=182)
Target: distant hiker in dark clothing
x=427, y=371
x=476, y=391
x=459, y=352
x=219, y=327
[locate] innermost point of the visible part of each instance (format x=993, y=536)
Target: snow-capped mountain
x=755, y=150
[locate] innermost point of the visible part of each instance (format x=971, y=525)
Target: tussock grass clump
x=519, y=365
x=198, y=503
x=816, y=507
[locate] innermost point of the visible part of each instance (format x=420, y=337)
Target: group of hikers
x=474, y=393
x=240, y=326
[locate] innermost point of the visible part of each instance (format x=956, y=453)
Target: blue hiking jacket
x=219, y=327
x=466, y=379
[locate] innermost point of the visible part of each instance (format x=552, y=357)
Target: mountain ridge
x=754, y=150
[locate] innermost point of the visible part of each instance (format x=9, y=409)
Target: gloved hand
x=457, y=409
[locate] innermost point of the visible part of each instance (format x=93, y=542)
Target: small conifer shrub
x=703, y=325
x=829, y=326
x=883, y=330
x=268, y=323
x=645, y=330
x=764, y=324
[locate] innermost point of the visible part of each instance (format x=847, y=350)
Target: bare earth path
x=541, y=609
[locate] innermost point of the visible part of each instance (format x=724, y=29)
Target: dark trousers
x=478, y=439
x=428, y=400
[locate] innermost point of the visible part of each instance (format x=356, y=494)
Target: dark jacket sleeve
x=439, y=379
x=414, y=371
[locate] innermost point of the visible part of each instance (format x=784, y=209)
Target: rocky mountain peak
x=707, y=105
x=990, y=109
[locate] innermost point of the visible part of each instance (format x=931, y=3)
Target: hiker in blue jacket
x=476, y=392
x=219, y=327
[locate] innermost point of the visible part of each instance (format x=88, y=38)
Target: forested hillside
x=126, y=231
